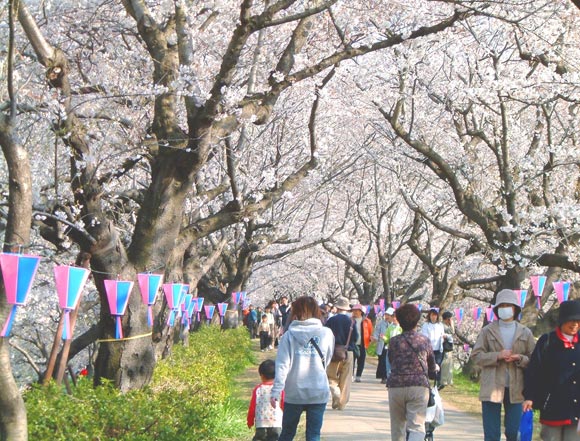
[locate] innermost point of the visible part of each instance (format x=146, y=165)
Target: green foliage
x=466, y=384
x=372, y=349
x=187, y=399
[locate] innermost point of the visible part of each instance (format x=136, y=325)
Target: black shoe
x=440, y=387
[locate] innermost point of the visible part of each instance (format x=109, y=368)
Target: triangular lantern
x=222, y=308
x=18, y=271
x=70, y=281
x=173, y=293
x=118, y=292
x=149, y=285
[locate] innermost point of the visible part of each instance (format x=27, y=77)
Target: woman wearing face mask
x=503, y=350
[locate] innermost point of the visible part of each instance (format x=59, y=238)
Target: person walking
x=261, y=414
x=340, y=372
x=393, y=330
x=301, y=370
x=284, y=309
x=502, y=350
x=264, y=333
x=552, y=378
x=412, y=364
x=364, y=329
x=434, y=331
x=252, y=321
x=378, y=336
x=447, y=363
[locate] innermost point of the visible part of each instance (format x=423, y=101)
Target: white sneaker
x=357, y=380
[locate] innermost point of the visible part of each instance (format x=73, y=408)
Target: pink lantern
x=149, y=285
x=476, y=313
x=186, y=310
x=377, y=308
x=209, y=310
x=236, y=297
x=198, y=307
x=458, y=315
x=396, y=304
x=70, y=281
x=382, y=304
x=173, y=293
x=489, y=314
x=562, y=290
x=222, y=308
x=118, y=292
x=18, y=271
x=538, y=283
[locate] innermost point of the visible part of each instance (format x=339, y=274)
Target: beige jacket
x=493, y=371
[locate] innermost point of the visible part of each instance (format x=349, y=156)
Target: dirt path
x=366, y=418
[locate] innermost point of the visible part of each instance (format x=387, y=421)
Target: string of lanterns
x=19, y=270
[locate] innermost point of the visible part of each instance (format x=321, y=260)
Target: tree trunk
x=13, y=422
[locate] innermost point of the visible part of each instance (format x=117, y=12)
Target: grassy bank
x=192, y=396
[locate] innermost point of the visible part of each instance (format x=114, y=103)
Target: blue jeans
x=491, y=413
x=438, y=359
x=291, y=417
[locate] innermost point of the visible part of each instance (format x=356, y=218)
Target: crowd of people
x=322, y=349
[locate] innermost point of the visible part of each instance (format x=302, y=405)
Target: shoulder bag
x=341, y=351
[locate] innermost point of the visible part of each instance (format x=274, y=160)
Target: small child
x=268, y=420
x=264, y=333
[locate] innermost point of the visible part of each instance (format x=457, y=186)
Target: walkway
x=366, y=417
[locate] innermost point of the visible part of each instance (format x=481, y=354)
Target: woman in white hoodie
x=301, y=370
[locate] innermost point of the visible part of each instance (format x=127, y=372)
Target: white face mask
x=505, y=313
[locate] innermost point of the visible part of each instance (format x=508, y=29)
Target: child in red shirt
x=268, y=420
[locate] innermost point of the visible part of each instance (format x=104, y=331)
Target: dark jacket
x=340, y=325
x=552, y=380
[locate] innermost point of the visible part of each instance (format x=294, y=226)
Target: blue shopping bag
x=526, y=426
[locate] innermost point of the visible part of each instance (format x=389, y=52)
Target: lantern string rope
x=133, y=337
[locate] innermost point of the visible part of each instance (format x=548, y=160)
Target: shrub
x=187, y=399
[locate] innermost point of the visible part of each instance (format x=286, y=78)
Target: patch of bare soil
x=456, y=399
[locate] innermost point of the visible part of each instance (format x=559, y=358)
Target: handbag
x=431, y=401
x=341, y=351
x=447, y=346
x=526, y=429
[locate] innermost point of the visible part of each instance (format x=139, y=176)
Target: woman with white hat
x=503, y=350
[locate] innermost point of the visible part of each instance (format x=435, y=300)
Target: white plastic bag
x=435, y=414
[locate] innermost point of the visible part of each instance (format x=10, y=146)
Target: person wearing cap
x=502, y=351
x=447, y=363
x=340, y=372
x=552, y=379
x=434, y=331
x=364, y=329
x=378, y=336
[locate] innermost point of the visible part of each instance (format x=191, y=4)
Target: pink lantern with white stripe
x=562, y=290
x=222, y=308
x=18, y=271
x=209, y=310
x=173, y=294
x=70, y=281
x=149, y=285
x=118, y=292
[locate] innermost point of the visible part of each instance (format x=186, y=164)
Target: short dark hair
x=447, y=315
x=408, y=316
x=267, y=369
